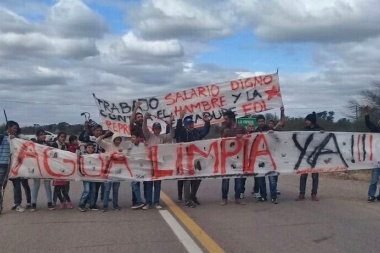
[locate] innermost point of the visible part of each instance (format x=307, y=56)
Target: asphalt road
x=342, y=221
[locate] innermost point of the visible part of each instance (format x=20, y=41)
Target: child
x=113, y=147
x=73, y=144
x=60, y=143
x=41, y=137
x=88, y=194
x=62, y=194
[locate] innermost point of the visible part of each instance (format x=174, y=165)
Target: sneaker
x=104, y=209
x=314, y=197
x=28, y=206
x=278, y=192
x=239, y=202
x=20, y=209
x=300, y=197
x=137, y=206
x=378, y=198
x=117, y=208
x=195, y=200
x=69, y=205
x=146, y=207
x=190, y=204
x=261, y=199
x=82, y=209
x=371, y=199
x=224, y=202
x=50, y=206
x=62, y=206
x=157, y=206
x=256, y=195
x=94, y=208
x=33, y=207
x=14, y=207
x=242, y=195
x=275, y=201
x=179, y=200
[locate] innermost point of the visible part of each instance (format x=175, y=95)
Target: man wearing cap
x=310, y=125
x=186, y=132
x=153, y=139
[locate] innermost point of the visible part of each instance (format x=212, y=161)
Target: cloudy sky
x=55, y=54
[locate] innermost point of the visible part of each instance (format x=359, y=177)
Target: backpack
x=1, y=138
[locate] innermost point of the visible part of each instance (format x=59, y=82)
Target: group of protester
x=91, y=141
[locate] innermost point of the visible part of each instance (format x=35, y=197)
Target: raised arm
x=170, y=132
x=180, y=129
x=145, y=128
x=206, y=128
x=84, y=136
x=133, y=116
x=100, y=141
x=281, y=123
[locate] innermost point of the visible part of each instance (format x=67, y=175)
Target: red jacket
x=72, y=148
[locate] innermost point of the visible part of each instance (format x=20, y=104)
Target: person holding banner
x=88, y=194
x=232, y=129
x=375, y=173
x=12, y=128
x=153, y=139
x=137, y=134
x=114, y=149
x=310, y=125
x=186, y=132
x=273, y=179
x=17, y=182
x=41, y=137
x=85, y=136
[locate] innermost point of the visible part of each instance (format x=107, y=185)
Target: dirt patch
x=358, y=175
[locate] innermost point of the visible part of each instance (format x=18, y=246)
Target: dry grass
x=357, y=175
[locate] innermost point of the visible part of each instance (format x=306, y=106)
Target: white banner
x=257, y=154
x=244, y=96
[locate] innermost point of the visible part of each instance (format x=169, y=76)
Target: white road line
x=182, y=235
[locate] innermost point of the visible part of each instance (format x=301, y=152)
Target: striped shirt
x=5, y=150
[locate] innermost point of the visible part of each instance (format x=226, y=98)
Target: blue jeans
x=373, y=185
x=136, y=191
x=156, y=194
x=262, y=186
x=36, y=188
x=115, y=193
x=226, y=187
x=88, y=194
x=273, y=186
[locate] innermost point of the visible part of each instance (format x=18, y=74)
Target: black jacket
x=184, y=135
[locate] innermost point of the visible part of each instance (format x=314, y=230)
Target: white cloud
x=166, y=48
x=196, y=20
x=315, y=21
x=72, y=18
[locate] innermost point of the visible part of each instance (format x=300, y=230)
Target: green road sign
x=246, y=121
